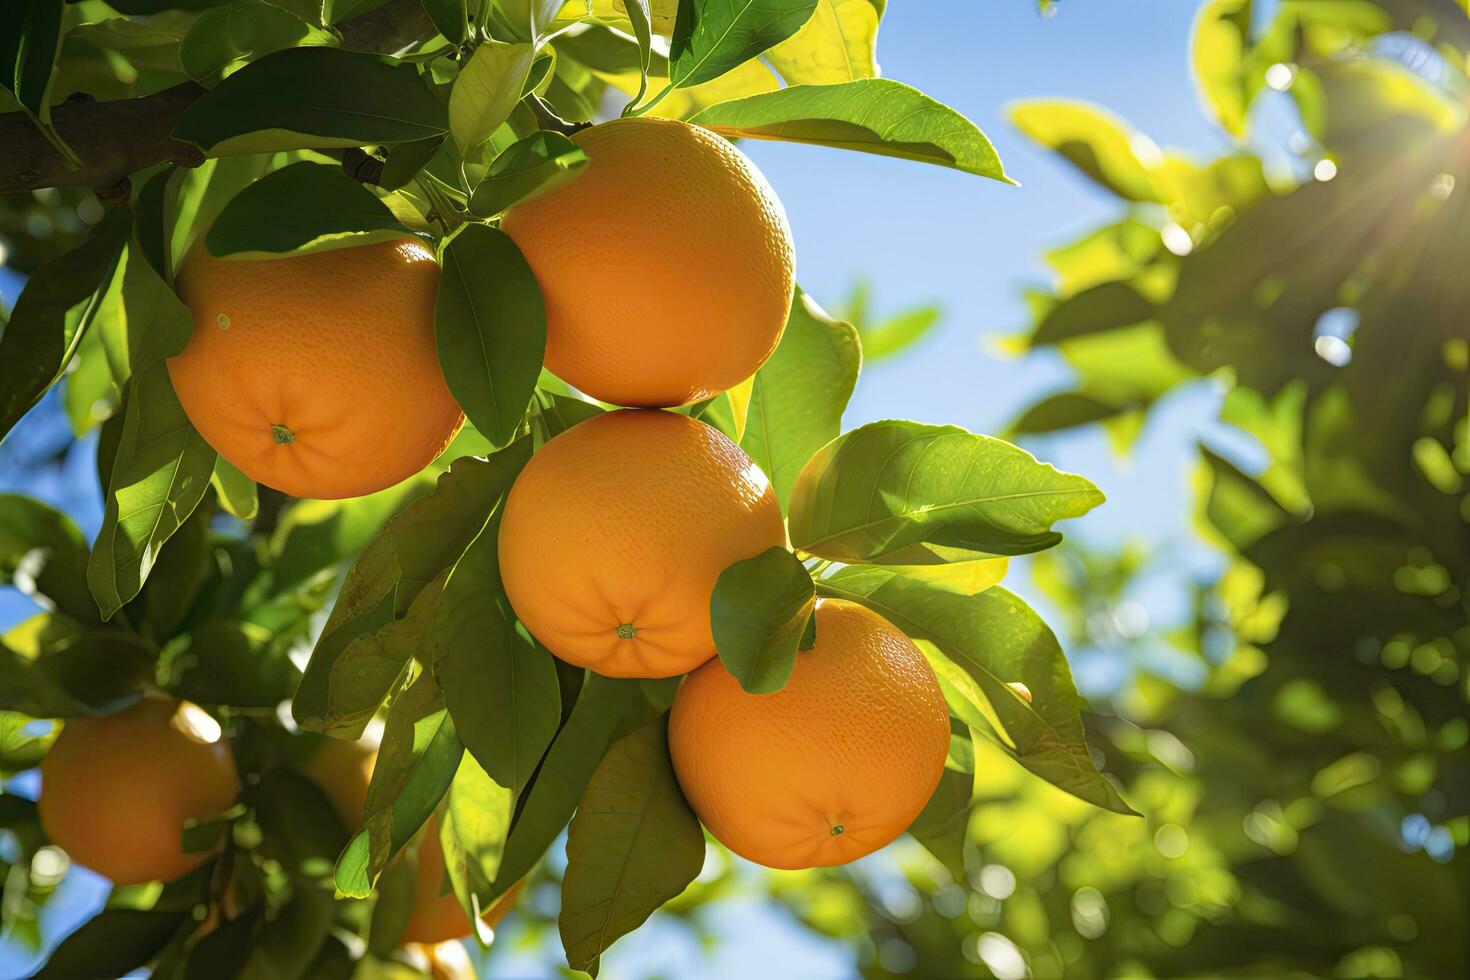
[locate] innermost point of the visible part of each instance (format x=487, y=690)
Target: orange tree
x=337, y=249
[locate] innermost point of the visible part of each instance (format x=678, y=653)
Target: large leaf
x=997, y=641
x=473, y=825
x=758, y=613
x=490, y=324
x=838, y=44
x=306, y=207
x=713, y=36
x=417, y=760
x=113, y=943
x=1095, y=142
x=539, y=163
x=907, y=493
x=799, y=394
x=30, y=37
x=225, y=38
x=52, y=314
x=52, y=668
x=43, y=555
x=605, y=704
x=160, y=473
x=633, y=845
x=486, y=90
x=873, y=115
x=310, y=97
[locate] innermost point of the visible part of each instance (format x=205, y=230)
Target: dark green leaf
x=942, y=825
x=906, y=493
x=759, y=611
x=713, y=36
x=1103, y=307
x=799, y=395
x=306, y=207
x=871, y=115
x=558, y=413
x=633, y=845
x=51, y=668
x=226, y=38
x=113, y=944
x=407, y=159
x=417, y=760
x=491, y=328
x=449, y=17
x=530, y=167
x=51, y=316
x=30, y=37
x=160, y=473
x=42, y=553
x=996, y=640
x=310, y=97
x=233, y=664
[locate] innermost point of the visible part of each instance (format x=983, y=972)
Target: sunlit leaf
x=759, y=612
x=837, y=44
x=1095, y=142
x=486, y=90
x=227, y=37
x=713, y=36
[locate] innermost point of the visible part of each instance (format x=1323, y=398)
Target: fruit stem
x=284, y=436
x=626, y=631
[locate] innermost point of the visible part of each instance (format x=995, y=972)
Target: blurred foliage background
x=1302, y=764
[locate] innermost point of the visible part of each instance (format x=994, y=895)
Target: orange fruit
x=116, y=789
x=317, y=374
x=666, y=266
x=437, y=916
x=831, y=767
x=342, y=769
x=615, y=532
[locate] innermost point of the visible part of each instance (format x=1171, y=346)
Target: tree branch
x=114, y=139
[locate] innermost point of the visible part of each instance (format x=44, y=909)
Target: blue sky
x=925, y=234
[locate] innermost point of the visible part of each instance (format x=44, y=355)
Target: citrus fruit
x=342, y=769
x=615, y=532
x=831, y=767
x=437, y=915
x=666, y=266
x=317, y=374
x=116, y=789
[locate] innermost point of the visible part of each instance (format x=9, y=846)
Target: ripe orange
x=666, y=266
x=831, y=767
x=615, y=532
x=342, y=770
x=437, y=916
x=116, y=790
x=317, y=374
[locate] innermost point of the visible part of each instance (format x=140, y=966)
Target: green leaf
x=1107, y=306
x=800, y=393
x=490, y=324
x=473, y=825
x=486, y=90
x=713, y=36
x=205, y=192
x=233, y=664
x=449, y=16
x=498, y=683
x=312, y=97
x=160, y=473
x=639, y=17
x=1095, y=142
x=223, y=39
x=306, y=207
x=633, y=845
x=872, y=115
x=1218, y=52
x=43, y=554
x=406, y=159
x=52, y=668
x=996, y=640
x=838, y=44
x=906, y=493
x=943, y=824
x=237, y=493
x=417, y=760
x=113, y=944
x=51, y=317
x=605, y=703
x=24, y=741
x=30, y=38
x=759, y=613
x=556, y=413
x=529, y=168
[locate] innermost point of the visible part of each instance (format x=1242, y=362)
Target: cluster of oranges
x=667, y=271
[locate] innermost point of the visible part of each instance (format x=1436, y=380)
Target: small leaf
x=486, y=90
x=417, y=760
x=306, y=207
x=759, y=612
x=160, y=473
x=529, y=168
x=873, y=115
x=604, y=704
x=799, y=394
x=491, y=327
x=223, y=39
x=906, y=493
x=52, y=314
x=237, y=493
x=996, y=640
x=713, y=36
x=313, y=97
x=633, y=845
